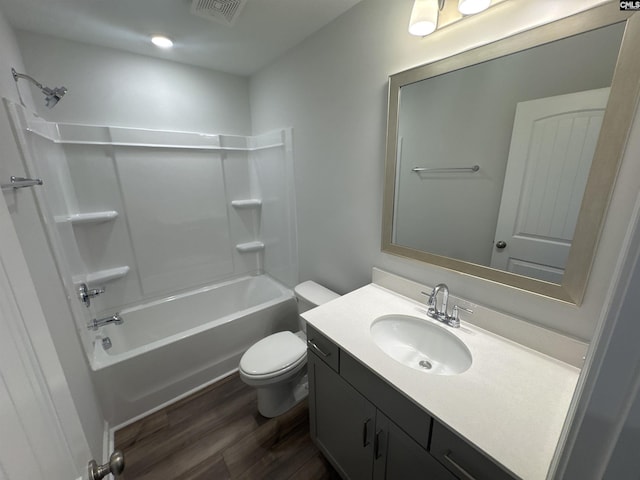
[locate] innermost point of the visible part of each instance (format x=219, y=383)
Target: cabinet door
x=342, y=421
x=398, y=456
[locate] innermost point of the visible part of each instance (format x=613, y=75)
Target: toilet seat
x=273, y=356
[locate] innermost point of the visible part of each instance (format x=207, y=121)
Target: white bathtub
x=167, y=348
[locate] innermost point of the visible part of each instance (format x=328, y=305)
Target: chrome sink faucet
x=432, y=303
x=441, y=314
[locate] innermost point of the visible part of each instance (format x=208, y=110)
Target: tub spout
x=96, y=323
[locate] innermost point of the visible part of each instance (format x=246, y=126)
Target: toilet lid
x=273, y=353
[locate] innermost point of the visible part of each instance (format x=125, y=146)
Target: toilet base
x=274, y=400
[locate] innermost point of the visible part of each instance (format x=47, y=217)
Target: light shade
x=469, y=7
x=424, y=17
x=161, y=41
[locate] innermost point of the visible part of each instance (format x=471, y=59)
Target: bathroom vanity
x=375, y=417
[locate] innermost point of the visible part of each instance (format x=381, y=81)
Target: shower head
x=52, y=95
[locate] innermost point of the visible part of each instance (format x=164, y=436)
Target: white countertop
x=511, y=403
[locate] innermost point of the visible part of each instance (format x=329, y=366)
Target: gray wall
x=111, y=87
x=332, y=89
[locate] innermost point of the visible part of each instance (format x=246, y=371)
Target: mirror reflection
x=530, y=122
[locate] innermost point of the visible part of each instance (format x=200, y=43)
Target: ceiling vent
x=222, y=11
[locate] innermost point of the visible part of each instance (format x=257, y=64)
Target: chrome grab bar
x=475, y=168
x=21, y=182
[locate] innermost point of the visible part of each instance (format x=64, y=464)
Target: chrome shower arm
x=17, y=75
x=52, y=95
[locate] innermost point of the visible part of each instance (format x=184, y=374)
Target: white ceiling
x=263, y=31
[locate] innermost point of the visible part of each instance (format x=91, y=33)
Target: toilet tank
x=310, y=295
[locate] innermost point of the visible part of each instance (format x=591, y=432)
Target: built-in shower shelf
x=90, y=217
x=103, y=276
x=246, y=204
x=250, y=247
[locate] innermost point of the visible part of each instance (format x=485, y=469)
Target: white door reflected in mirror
x=552, y=146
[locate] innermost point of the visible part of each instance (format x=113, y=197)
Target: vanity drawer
x=406, y=414
x=462, y=459
x=324, y=348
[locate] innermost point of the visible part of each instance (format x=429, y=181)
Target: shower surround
x=156, y=215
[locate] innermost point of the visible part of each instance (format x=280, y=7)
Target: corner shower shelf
x=108, y=275
x=250, y=247
x=91, y=217
x=245, y=204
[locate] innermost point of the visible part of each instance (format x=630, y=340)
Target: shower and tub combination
x=177, y=249
x=172, y=346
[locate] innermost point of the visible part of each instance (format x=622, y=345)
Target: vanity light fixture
x=470, y=7
x=424, y=15
x=161, y=41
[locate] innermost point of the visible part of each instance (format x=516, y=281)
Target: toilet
x=277, y=365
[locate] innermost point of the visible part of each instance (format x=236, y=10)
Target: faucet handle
x=85, y=294
x=454, y=320
x=431, y=305
x=456, y=308
x=431, y=300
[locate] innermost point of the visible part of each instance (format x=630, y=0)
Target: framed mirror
x=501, y=160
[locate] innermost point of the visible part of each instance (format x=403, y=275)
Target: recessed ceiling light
x=161, y=41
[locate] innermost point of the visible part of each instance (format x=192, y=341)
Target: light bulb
x=424, y=17
x=469, y=7
x=161, y=41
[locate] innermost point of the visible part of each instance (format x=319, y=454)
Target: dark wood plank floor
x=217, y=433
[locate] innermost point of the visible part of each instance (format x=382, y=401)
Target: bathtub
x=169, y=348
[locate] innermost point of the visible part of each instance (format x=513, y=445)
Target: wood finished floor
x=217, y=433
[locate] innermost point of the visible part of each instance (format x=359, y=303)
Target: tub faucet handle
x=85, y=294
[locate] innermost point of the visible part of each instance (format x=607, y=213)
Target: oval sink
x=420, y=344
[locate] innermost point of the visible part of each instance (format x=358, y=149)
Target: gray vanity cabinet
x=353, y=433
x=369, y=430
x=400, y=457
x=342, y=421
